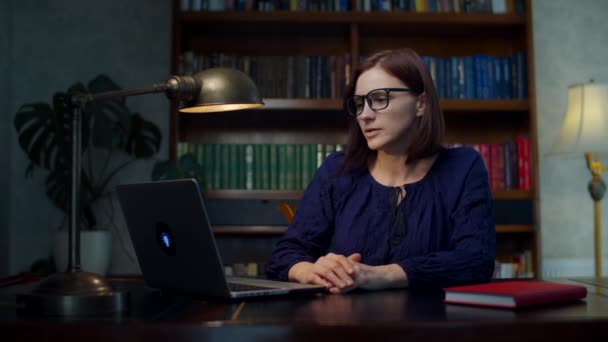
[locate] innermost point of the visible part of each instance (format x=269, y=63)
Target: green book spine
x=290, y=167
x=312, y=157
x=192, y=149
x=182, y=148
x=199, y=154
x=320, y=154
x=243, y=166
x=329, y=149
x=297, y=167
x=249, y=166
x=217, y=166
x=208, y=164
x=265, y=166
x=257, y=163
x=242, y=179
x=273, y=166
x=305, y=165
x=282, y=166
x=230, y=166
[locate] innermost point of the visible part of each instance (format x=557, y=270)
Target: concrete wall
x=53, y=44
x=5, y=122
x=570, y=45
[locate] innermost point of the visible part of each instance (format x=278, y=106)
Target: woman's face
x=389, y=129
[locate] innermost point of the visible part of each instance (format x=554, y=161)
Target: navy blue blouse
x=442, y=233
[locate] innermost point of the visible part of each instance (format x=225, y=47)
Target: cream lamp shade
x=585, y=126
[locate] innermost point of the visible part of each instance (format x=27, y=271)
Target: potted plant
x=113, y=137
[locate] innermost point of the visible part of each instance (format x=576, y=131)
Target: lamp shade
x=223, y=89
x=585, y=125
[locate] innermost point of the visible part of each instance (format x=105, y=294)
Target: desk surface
x=358, y=316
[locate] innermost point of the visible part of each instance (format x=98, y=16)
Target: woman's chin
x=374, y=146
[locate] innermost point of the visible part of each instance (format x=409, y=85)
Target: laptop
x=176, y=248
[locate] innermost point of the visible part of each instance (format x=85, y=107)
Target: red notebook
x=514, y=294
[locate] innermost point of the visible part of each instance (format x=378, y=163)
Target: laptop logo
x=165, y=238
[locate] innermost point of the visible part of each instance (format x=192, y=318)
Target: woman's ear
x=421, y=104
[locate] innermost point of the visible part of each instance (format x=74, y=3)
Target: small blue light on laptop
x=165, y=238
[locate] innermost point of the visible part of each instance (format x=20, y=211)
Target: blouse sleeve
x=309, y=234
x=472, y=243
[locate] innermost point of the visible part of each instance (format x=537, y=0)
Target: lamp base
x=73, y=294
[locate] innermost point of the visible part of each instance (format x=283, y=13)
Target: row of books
x=258, y=166
x=292, y=166
x=267, y=5
x=518, y=265
x=508, y=164
x=479, y=76
x=465, y=77
x=281, y=76
x=433, y=6
x=420, y=6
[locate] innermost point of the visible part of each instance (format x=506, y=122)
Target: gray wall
x=5, y=119
x=52, y=44
x=571, y=46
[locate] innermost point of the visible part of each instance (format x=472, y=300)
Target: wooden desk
x=370, y=316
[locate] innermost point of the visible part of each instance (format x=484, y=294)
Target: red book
x=484, y=151
x=514, y=294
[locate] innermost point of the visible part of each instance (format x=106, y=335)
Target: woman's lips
x=371, y=131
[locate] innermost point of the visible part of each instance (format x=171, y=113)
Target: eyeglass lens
x=376, y=99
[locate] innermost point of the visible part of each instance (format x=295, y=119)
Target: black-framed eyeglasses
x=376, y=99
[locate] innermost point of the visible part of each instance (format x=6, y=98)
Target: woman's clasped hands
x=337, y=272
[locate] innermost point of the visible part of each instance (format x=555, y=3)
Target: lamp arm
x=180, y=87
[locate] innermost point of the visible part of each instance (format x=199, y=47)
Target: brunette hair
x=407, y=66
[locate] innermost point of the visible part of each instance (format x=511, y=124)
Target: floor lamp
x=585, y=130
x=76, y=292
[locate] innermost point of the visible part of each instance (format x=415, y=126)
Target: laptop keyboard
x=246, y=287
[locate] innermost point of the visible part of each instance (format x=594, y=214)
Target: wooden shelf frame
x=447, y=105
x=272, y=230
x=269, y=195
x=358, y=33
x=508, y=20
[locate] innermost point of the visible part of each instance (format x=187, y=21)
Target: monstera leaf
x=44, y=133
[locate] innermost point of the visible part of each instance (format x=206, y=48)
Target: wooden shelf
x=448, y=105
x=512, y=194
x=249, y=230
x=514, y=228
x=280, y=230
x=354, y=17
x=230, y=194
x=452, y=105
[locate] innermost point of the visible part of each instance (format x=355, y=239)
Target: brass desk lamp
x=79, y=293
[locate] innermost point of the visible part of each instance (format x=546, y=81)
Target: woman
x=397, y=209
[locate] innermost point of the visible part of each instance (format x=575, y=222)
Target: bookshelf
x=319, y=119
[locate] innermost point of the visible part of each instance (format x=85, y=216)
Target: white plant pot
x=95, y=251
